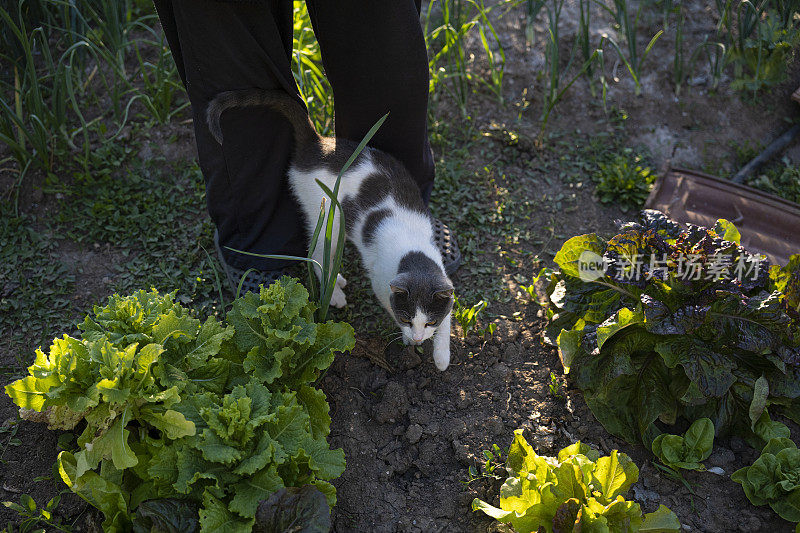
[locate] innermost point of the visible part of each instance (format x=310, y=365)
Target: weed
x=554, y=385
x=760, y=61
x=781, y=179
x=161, y=85
x=34, y=283
x=624, y=181
x=34, y=121
x=493, y=460
x=556, y=87
x=8, y=437
x=36, y=518
x=678, y=64
x=467, y=317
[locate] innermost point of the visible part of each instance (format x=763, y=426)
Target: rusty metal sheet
x=768, y=224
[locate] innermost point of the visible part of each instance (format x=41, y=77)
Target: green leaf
x=624, y=318
x=726, y=230
x=167, y=515
x=302, y=509
x=689, y=450
x=250, y=491
x=490, y=510
x=316, y=405
x=661, y=521
x=759, y=403
x=173, y=326
x=569, y=346
x=172, y=423
x=569, y=256
x=106, y=496
x=216, y=518
x=615, y=474
x=28, y=393
x=767, y=429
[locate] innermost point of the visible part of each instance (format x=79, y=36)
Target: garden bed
x=411, y=433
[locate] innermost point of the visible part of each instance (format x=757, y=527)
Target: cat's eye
x=430, y=324
x=405, y=322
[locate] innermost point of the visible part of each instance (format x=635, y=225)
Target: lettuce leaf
x=178, y=409
x=687, y=451
x=576, y=491
x=650, y=339
x=774, y=479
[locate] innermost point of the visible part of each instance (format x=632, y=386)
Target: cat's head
x=421, y=297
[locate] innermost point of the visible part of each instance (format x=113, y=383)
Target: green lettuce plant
x=687, y=451
x=215, y=414
x=661, y=322
x=576, y=491
x=774, y=479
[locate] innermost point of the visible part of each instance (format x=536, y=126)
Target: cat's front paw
x=340, y=281
x=338, y=299
x=441, y=356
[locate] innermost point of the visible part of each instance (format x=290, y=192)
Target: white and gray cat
x=384, y=216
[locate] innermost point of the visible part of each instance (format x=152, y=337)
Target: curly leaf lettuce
x=578, y=490
x=221, y=415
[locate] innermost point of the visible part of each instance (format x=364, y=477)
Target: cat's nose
x=419, y=338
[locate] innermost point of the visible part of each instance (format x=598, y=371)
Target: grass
x=35, y=286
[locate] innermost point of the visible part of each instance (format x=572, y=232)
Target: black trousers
x=375, y=58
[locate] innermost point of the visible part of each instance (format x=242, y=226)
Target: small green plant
x=490, y=468
x=467, y=317
x=34, y=518
x=781, y=179
x=8, y=437
x=555, y=386
x=576, y=491
x=624, y=181
x=687, y=451
x=774, y=479
x=765, y=43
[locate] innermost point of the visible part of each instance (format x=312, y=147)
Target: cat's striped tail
x=276, y=100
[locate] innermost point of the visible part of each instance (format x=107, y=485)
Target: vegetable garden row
x=200, y=424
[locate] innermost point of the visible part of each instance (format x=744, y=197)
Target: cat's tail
x=276, y=100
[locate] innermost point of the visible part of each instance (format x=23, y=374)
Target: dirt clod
x=393, y=405
x=413, y=433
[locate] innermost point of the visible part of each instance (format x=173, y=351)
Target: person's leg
x=375, y=59
x=225, y=46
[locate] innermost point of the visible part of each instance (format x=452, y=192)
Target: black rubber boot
x=252, y=278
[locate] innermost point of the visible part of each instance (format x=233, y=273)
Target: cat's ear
x=444, y=294
x=396, y=289
x=399, y=285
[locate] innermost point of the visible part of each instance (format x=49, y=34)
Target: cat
x=384, y=214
